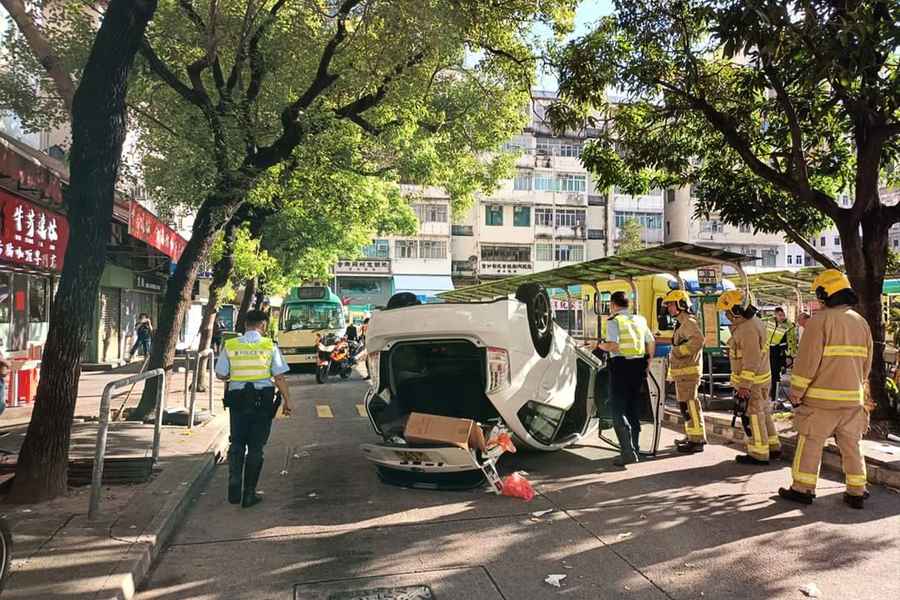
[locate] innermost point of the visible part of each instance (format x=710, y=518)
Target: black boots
x=689, y=447
x=775, y=454
x=857, y=502
x=795, y=496
x=252, y=470
x=746, y=459
x=235, y=477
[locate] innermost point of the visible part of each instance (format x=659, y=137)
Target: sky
x=587, y=14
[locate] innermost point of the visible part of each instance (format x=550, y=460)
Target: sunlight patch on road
x=323, y=411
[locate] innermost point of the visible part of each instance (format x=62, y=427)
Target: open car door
x=652, y=405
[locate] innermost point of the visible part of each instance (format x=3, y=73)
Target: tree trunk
x=246, y=303
x=215, y=211
x=221, y=272
x=98, y=132
x=865, y=258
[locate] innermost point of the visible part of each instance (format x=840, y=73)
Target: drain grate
x=416, y=592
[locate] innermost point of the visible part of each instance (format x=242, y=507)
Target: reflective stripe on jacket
x=632, y=332
x=250, y=361
x=749, y=354
x=687, y=349
x=834, y=359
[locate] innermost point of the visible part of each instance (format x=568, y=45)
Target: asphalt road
x=675, y=527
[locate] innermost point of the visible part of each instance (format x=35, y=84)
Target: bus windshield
x=313, y=315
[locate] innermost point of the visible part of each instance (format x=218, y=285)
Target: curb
x=127, y=575
x=877, y=471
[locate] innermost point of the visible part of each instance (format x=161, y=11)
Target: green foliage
x=629, y=237
x=757, y=105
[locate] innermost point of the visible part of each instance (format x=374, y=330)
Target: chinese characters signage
x=145, y=226
x=32, y=236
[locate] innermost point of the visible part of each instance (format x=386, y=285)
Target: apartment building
x=771, y=250
x=646, y=209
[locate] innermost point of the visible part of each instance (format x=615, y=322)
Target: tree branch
x=168, y=76
x=798, y=160
x=367, y=101
x=257, y=63
x=803, y=242
x=40, y=47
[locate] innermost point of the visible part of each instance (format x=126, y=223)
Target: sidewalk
x=58, y=553
x=882, y=457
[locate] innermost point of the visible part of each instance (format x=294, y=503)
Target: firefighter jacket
x=834, y=359
x=749, y=354
x=687, y=349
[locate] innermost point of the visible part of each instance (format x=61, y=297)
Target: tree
x=266, y=80
x=629, y=237
x=769, y=108
x=98, y=133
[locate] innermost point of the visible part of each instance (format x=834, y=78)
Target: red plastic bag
x=504, y=441
x=517, y=486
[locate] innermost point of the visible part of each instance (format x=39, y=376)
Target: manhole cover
x=416, y=592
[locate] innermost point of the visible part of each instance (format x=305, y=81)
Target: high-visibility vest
x=632, y=329
x=775, y=332
x=250, y=361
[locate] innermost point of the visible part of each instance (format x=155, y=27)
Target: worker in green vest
x=254, y=368
x=781, y=335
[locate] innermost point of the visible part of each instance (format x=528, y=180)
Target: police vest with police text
x=250, y=361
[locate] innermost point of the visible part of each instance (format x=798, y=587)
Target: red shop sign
x=145, y=226
x=31, y=235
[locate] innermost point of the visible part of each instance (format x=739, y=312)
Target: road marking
x=323, y=411
x=361, y=409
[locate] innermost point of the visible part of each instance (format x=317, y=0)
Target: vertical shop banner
x=31, y=235
x=145, y=226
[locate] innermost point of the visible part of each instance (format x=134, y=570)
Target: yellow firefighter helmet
x=729, y=300
x=831, y=281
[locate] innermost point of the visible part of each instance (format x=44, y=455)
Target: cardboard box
x=434, y=429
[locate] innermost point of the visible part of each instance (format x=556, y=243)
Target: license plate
x=411, y=456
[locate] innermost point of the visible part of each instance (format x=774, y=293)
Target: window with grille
x=545, y=183
x=522, y=216
x=407, y=249
x=523, y=180
x=430, y=213
x=543, y=217
x=432, y=249
x=377, y=249
x=572, y=183
x=505, y=253
x=543, y=252
x=493, y=215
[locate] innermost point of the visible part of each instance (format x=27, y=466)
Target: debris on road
x=517, y=486
x=624, y=536
x=555, y=580
x=541, y=513
x=811, y=590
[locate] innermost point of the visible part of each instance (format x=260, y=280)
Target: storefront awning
x=422, y=285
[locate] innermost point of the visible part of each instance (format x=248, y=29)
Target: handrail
x=211, y=353
x=103, y=430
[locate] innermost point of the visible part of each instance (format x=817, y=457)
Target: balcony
x=502, y=269
x=462, y=230
x=366, y=266
x=579, y=232
x=596, y=200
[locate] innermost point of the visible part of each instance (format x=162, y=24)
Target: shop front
x=33, y=241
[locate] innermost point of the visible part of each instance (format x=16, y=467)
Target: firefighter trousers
x=763, y=436
x=814, y=426
x=688, y=399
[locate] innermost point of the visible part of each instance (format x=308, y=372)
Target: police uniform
x=782, y=344
x=748, y=352
x=685, y=368
x=249, y=362
x=828, y=382
x=627, y=370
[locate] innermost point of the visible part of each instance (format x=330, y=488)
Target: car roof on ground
x=668, y=258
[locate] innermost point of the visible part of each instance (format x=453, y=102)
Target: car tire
x=540, y=315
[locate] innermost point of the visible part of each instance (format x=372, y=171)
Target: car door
x=651, y=406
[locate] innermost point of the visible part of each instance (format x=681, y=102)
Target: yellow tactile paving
x=323, y=411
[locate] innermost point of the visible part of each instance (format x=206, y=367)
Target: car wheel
x=540, y=315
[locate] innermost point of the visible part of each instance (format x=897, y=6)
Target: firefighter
x=828, y=390
x=685, y=368
x=781, y=334
x=748, y=351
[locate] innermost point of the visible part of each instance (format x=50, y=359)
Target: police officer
x=781, y=334
x=254, y=367
x=685, y=368
x=828, y=390
x=630, y=345
x=748, y=351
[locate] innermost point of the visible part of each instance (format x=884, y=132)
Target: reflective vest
x=250, y=361
x=632, y=329
x=776, y=332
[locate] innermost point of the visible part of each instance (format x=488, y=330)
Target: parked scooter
x=333, y=357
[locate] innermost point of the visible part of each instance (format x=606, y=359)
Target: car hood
x=479, y=322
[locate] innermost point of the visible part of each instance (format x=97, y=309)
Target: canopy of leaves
x=629, y=239
x=766, y=107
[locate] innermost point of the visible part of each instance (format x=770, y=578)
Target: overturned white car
x=504, y=364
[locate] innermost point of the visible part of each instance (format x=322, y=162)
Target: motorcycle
x=333, y=357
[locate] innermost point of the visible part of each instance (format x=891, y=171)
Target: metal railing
x=210, y=383
x=103, y=429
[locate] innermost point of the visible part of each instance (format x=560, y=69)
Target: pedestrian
x=352, y=334
x=218, y=329
x=144, y=333
x=748, y=351
x=781, y=334
x=828, y=391
x=630, y=345
x=685, y=368
x=254, y=367
x=364, y=330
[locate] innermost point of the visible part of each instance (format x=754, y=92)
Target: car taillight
x=373, y=364
x=497, y=370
